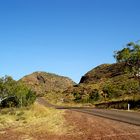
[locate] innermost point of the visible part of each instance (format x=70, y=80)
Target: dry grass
x=37, y=119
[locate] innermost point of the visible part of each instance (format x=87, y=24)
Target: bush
x=77, y=96
x=15, y=93
x=10, y=101
x=94, y=95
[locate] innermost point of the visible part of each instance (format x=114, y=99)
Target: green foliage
x=130, y=86
x=85, y=94
x=120, y=86
x=77, y=96
x=94, y=95
x=123, y=55
x=111, y=91
x=7, y=85
x=30, y=97
x=11, y=88
x=130, y=55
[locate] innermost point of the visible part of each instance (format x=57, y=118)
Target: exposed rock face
x=103, y=71
x=41, y=79
x=42, y=82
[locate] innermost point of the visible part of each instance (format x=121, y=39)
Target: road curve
x=121, y=116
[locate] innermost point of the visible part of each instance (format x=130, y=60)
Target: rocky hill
x=103, y=71
x=42, y=82
x=106, y=82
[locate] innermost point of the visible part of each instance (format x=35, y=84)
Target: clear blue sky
x=66, y=37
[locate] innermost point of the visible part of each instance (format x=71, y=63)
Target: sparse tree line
x=14, y=93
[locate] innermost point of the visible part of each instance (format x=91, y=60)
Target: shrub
x=13, y=93
x=94, y=95
x=77, y=96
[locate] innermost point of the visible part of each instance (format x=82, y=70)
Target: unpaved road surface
x=89, y=127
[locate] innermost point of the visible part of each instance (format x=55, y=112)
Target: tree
x=7, y=85
x=11, y=89
x=123, y=55
x=130, y=55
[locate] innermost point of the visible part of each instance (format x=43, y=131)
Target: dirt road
x=89, y=127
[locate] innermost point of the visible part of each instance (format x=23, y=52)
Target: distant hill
x=42, y=82
x=106, y=82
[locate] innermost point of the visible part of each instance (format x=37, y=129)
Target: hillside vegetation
x=110, y=82
x=105, y=82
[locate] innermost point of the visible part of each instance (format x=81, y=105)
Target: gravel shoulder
x=89, y=127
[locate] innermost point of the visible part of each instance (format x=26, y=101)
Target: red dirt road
x=86, y=127
x=95, y=128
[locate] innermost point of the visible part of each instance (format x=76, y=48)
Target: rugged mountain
x=106, y=82
x=42, y=82
x=103, y=71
